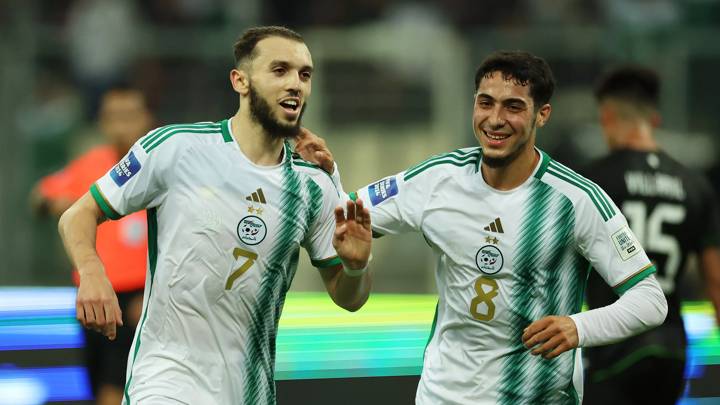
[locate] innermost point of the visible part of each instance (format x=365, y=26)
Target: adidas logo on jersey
x=495, y=226
x=257, y=197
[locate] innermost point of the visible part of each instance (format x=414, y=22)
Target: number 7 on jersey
x=251, y=257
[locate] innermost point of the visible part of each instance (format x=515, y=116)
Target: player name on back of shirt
x=654, y=185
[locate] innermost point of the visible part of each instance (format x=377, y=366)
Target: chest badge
x=489, y=259
x=251, y=230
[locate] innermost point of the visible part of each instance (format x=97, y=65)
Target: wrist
x=90, y=268
x=577, y=321
x=354, y=271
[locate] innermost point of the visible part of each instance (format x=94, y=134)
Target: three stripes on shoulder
x=457, y=157
x=160, y=135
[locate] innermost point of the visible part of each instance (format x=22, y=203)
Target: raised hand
x=313, y=149
x=551, y=336
x=353, y=235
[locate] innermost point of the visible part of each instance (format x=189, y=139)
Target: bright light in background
x=316, y=339
x=22, y=391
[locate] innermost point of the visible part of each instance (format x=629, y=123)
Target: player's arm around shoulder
x=96, y=304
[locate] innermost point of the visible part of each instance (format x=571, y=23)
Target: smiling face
x=277, y=85
x=505, y=119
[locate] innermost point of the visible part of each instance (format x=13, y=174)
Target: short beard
x=506, y=160
x=261, y=112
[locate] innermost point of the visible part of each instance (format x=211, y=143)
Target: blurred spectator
x=50, y=115
x=182, y=12
x=471, y=14
x=641, y=14
x=103, y=36
x=323, y=12
x=546, y=12
x=122, y=245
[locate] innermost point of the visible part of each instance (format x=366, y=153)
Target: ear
x=240, y=81
x=543, y=115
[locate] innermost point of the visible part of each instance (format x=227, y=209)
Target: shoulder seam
x=470, y=157
x=160, y=135
x=457, y=153
x=592, y=190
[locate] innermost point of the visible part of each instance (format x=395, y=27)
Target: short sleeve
x=318, y=242
x=610, y=246
x=396, y=204
x=136, y=182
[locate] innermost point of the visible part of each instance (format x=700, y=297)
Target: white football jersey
x=504, y=260
x=224, y=239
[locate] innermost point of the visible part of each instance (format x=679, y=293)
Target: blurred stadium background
x=393, y=85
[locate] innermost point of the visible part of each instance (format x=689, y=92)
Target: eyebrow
x=276, y=62
x=506, y=101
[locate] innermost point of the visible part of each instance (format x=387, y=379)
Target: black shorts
x=106, y=360
x=645, y=369
x=651, y=380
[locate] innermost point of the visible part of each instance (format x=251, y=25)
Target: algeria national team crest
x=251, y=230
x=489, y=259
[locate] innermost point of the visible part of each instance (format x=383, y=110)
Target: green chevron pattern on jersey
x=590, y=188
x=549, y=276
x=299, y=207
x=304, y=163
x=456, y=158
x=160, y=135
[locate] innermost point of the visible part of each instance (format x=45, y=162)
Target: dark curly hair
x=523, y=68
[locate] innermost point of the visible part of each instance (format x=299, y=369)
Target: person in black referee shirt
x=673, y=212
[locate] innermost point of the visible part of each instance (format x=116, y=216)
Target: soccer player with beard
x=515, y=234
x=228, y=207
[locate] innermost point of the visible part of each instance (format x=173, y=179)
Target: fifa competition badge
x=123, y=171
x=382, y=190
x=625, y=243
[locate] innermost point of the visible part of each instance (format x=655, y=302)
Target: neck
x=637, y=136
x=259, y=147
x=512, y=175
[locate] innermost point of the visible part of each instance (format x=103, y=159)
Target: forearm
x=96, y=303
x=642, y=307
x=351, y=292
x=78, y=229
